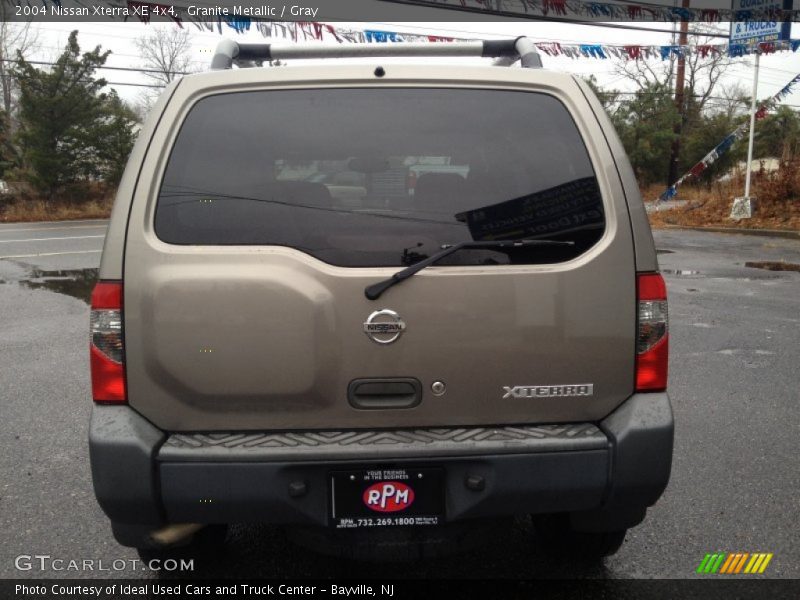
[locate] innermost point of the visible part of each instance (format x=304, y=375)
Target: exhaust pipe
x=175, y=534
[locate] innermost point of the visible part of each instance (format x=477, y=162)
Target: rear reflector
x=107, y=345
x=652, y=333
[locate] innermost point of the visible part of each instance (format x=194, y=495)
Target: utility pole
x=672, y=173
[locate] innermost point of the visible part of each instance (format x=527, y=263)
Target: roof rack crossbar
x=509, y=51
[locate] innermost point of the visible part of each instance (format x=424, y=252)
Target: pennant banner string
x=304, y=31
x=729, y=140
x=604, y=11
x=580, y=10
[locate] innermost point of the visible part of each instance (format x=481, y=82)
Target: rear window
x=381, y=177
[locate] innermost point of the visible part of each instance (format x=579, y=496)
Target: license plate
x=386, y=498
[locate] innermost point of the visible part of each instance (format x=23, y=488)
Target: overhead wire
x=474, y=33
x=539, y=18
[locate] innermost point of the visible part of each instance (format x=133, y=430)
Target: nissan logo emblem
x=384, y=326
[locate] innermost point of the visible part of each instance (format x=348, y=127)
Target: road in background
x=735, y=351
x=50, y=246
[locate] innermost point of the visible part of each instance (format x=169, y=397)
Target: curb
x=781, y=233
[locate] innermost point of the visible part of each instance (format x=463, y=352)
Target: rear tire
x=557, y=535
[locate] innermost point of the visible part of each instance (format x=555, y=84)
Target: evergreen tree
x=5, y=148
x=645, y=123
x=70, y=131
x=778, y=135
x=117, y=134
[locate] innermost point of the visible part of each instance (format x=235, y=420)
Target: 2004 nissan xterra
x=471, y=325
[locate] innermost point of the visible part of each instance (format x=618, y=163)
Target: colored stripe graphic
x=730, y=564
x=735, y=563
x=718, y=562
x=711, y=562
x=755, y=562
x=737, y=557
x=703, y=563
x=740, y=564
x=727, y=564
x=764, y=564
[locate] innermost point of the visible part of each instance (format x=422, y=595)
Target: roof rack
x=507, y=52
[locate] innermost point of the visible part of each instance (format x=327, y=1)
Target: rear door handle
x=376, y=394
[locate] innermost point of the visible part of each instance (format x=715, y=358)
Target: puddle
x=714, y=273
x=77, y=283
x=773, y=265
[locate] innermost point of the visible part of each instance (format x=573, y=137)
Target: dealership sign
x=753, y=32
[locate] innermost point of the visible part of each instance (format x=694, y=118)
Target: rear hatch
x=245, y=276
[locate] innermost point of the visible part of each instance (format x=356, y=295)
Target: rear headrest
x=440, y=193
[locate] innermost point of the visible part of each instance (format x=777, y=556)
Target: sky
x=776, y=69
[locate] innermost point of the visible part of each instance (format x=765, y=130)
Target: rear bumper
x=605, y=474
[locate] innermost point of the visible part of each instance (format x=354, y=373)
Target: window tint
x=381, y=177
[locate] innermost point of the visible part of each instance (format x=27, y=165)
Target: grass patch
x=21, y=210
x=778, y=197
x=773, y=265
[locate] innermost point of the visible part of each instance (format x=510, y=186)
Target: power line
x=667, y=95
x=136, y=69
x=546, y=19
x=113, y=52
x=473, y=33
x=777, y=69
x=150, y=85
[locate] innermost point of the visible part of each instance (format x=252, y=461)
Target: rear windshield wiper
x=374, y=291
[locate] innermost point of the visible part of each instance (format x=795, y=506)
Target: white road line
x=61, y=222
x=52, y=228
x=74, y=237
x=52, y=254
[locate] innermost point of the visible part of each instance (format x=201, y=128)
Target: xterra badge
x=384, y=326
x=548, y=391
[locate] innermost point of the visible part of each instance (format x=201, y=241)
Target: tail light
x=107, y=346
x=652, y=333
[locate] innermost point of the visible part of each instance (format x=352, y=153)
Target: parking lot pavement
x=735, y=351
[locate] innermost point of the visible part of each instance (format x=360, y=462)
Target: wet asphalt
x=734, y=383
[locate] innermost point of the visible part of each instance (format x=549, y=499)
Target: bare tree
x=166, y=52
x=703, y=74
x=703, y=69
x=733, y=100
x=14, y=38
x=646, y=73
